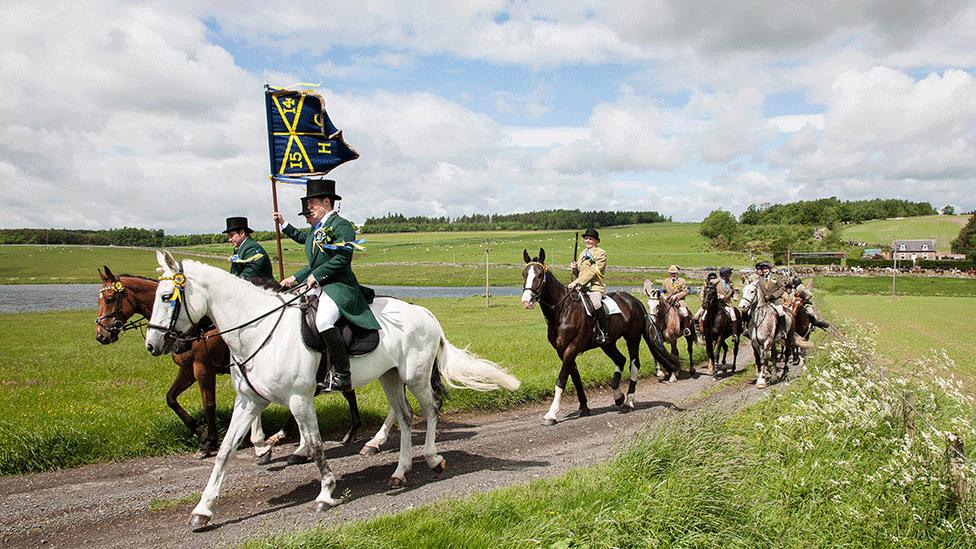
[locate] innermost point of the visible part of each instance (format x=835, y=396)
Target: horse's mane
x=146, y=278
x=269, y=287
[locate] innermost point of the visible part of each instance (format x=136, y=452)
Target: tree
x=948, y=210
x=965, y=243
x=719, y=223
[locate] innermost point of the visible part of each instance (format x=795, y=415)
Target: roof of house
x=924, y=245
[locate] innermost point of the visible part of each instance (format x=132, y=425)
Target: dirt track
x=109, y=504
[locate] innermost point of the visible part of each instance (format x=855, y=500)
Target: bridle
x=117, y=326
x=176, y=299
x=535, y=296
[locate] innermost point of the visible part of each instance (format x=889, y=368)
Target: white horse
x=763, y=334
x=280, y=368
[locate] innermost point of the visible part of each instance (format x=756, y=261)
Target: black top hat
x=318, y=188
x=763, y=265
x=591, y=232
x=238, y=224
x=304, y=207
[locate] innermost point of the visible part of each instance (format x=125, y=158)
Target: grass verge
x=829, y=463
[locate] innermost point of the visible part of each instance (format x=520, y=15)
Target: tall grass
x=828, y=463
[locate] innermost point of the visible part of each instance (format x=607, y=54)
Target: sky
x=152, y=115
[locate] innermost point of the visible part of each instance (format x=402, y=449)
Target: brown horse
x=571, y=332
x=124, y=296
x=800, y=328
x=717, y=328
x=668, y=321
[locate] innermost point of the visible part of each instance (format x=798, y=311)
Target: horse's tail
x=652, y=336
x=463, y=369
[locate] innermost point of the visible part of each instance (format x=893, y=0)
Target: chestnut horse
x=571, y=332
x=717, y=328
x=667, y=319
x=124, y=296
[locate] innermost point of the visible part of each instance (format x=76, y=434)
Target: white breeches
x=596, y=298
x=328, y=313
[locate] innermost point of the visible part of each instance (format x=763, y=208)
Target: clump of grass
x=828, y=463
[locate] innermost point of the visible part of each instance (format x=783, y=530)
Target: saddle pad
x=611, y=306
x=358, y=341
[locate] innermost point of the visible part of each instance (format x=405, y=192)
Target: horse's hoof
x=369, y=450
x=548, y=421
x=296, y=459
x=584, y=412
x=761, y=384
x=199, y=522
x=323, y=506
x=395, y=482
x=440, y=467
x=263, y=459
x=203, y=453
x=619, y=401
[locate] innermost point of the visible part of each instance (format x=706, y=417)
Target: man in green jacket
x=249, y=259
x=329, y=248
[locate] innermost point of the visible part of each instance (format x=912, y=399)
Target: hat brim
x=245, y=228
x=333, y=196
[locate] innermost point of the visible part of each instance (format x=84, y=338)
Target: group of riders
x=330, y=241
x=775, y=288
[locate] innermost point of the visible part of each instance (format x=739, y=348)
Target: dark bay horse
x=717, y=328
x=571, y=332
x=800, y=329
x=124, y=296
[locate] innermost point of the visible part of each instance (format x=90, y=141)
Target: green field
x=67, y=400
x=943, y=228
x=77, y=264
x=414, y=259
x=910, y=327
x=650, y=245
x=904, y=285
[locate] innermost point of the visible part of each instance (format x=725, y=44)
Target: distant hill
x=528, y=221
x=943, y=228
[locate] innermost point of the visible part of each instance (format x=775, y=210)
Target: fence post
x=955, y=454
x=907, y=417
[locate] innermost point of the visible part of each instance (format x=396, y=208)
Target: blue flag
x=302, y=140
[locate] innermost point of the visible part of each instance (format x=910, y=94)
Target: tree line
x=126, y=236
x=807, y=225
x=826, y=212
x=541, y=220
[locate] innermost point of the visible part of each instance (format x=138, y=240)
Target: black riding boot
x=819, y=323
x=602, y=333
x=337, y=355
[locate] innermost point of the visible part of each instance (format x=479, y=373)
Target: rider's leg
x=734, y=315
x=813, y=318
x=596, y=299
x=780, y=320
x=335, y=349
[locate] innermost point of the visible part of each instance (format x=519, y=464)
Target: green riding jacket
x=251, y=261
x=333, y=270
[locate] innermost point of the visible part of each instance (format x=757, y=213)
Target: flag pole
x=274, y=202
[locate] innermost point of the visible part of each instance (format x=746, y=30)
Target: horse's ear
x=102, y=276
x=525, y=256
x=161, y=259
x=109, y=275
x=542, y=255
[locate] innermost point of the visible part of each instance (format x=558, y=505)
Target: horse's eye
x=167, y=297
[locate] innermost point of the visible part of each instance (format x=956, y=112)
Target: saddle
x=358, y=341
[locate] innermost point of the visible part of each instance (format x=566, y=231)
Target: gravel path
x=146, y=502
